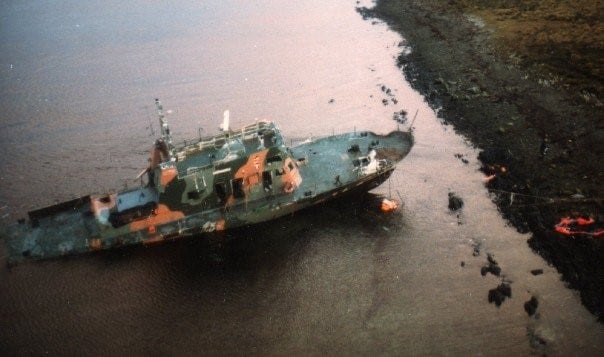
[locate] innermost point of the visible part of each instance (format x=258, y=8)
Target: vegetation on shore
x=564, y=40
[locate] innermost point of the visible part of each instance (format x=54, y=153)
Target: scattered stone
x=331, y=101
x=462, y=158
x=537, y=271
x=531, y=306
x=386, y=90
x=491, y=259
x=455, y=202
x=535, y=340
x=463, y=264
x=491, y=267
x=476, y=251
x=499, y=294
x=385, y=101
x=400, y=116
x=394, y=100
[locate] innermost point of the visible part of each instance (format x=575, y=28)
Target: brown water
x=76, y=92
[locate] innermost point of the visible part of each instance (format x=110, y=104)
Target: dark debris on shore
x=500, y=293
x=531, y=306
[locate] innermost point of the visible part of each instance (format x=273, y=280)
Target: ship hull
x=23, y=242
x=329, y=168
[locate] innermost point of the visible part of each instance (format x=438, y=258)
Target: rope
x=551, y=200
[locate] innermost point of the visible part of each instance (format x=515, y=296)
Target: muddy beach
x=523, y=82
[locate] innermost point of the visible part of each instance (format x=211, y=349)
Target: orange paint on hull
x=95, y=244
x=161, y=215
x=167, y=175
x=220, y=225
x=249, y=173
x=253, y=166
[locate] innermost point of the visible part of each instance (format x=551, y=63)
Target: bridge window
x=272, y=159
x=220, y=189
x=193, y=195
x=267, y=180
x=238, y=191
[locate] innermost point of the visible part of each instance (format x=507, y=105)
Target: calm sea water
x=77, y=83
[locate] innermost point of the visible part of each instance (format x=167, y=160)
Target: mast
x=165, y=129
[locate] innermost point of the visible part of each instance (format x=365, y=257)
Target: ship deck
x=330, y=162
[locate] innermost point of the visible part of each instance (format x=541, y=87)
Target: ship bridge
x=225, y=147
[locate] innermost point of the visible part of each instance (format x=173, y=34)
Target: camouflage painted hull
x=226, y=181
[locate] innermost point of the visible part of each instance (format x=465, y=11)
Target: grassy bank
x=563, y=40
x=515, y=77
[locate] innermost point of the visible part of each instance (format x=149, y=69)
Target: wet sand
x=338, y=279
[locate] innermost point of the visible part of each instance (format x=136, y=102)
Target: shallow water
x=77, y=88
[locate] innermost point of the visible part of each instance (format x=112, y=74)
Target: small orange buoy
x=388, y=205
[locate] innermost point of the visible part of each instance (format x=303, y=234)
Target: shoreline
x=510, y=109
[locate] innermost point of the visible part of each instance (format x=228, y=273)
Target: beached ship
x=229, y=180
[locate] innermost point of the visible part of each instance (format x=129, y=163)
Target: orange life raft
x=578, y=227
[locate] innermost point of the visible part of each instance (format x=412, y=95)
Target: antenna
x=225, y=121
x=163, y=123
x=165, y=129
